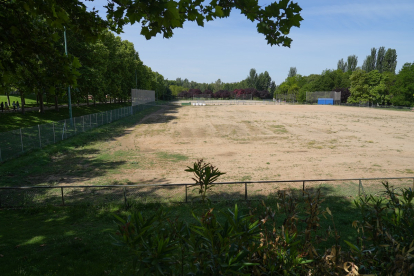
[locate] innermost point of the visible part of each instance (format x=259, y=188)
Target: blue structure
x=325, y=101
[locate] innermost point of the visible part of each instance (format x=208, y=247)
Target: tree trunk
x=94, y=101
x=22, y=100
x=56, y=103
x=8, y=97
x=41, y=106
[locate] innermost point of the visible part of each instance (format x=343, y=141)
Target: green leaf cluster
x=205, y=175
x=163, y=16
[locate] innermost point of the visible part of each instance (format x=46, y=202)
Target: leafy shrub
x=386, y=233
x=257, y=243
x=205, y=175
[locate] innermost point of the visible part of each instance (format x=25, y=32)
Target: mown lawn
x=29, y=102
x=16, y=120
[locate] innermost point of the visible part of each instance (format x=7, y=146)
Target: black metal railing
x=11, y=197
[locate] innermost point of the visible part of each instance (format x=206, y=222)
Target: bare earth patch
x=266, y=142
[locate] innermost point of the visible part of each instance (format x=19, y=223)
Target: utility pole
x=69, y=97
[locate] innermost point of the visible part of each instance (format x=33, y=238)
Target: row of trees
x=33, y=59
x=383, y=88
x=259, y=85
x=94, y=63
x=248, y=93
x=375, y=82
x=110, y=67
x=297, y=85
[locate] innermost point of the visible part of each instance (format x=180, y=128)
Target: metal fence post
x=21, y=139
x=359, y=188
x=125, y=199
x=40, y=139
x=186, y=193
x=303, y=188
x=54, y=138
x=63, y=200
x=245, y=191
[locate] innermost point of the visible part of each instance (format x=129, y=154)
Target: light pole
x=69, y=98
x=136, y=79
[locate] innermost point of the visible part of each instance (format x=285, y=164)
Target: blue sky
x=228, y=48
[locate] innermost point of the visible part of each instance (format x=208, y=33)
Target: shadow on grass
x=70, y=159
x=15, y=120
x=58, y=241
x=39, y=241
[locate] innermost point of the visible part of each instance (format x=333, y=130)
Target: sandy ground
x=270, y=142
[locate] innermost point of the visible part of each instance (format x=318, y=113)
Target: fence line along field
x=259, y=142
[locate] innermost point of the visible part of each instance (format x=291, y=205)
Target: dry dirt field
x=266, y=142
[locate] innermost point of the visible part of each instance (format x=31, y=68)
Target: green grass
x=279, y=129
x=175, y=157
x=29, y=102
x=76, y=240
x=16, y=120
x=71, y=157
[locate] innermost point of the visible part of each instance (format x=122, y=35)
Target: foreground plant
x=386, y=233
x=232, y=243
x=205, y=175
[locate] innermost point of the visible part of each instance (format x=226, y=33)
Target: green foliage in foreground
x=228, y=242
x=75, y=240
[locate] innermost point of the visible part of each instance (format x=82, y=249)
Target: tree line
x=34, y=59
x=258, y=85
x=375, y=82
x=97, y=66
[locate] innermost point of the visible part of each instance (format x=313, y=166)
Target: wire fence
x=228, y=102
x=18, y=197
x=370, y=105
x=16, y=142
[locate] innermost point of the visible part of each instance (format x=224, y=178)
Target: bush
x=232, y=243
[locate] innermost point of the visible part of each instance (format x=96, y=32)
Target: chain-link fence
x=16, y=142
x=371, y=105
x=11, y=197
x=313, y=97
x=228, y=102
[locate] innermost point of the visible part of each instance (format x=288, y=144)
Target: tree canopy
x=163, y=16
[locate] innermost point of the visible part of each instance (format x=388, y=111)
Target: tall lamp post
x=136, y=79
x=69, y=98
